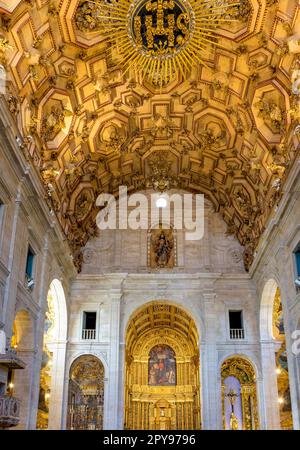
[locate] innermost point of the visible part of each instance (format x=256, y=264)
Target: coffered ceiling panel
x=227, y=129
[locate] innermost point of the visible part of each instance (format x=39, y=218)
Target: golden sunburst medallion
x=158, y=38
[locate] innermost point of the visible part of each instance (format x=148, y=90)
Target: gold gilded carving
x=160, y=30
x=243, y=371
x=47, y=358
x=87, y=17
x=86, y=394
x=53, y=122
x=155, y=406
x=271, y=113
x=284, y=397
x=160, y=178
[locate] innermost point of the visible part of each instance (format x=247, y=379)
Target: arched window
x=162, y=366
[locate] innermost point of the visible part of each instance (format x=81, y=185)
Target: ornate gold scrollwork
x=156, y=398
x=243, y=371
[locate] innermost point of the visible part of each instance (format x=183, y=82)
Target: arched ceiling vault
x=228, y=130
x=157, y=316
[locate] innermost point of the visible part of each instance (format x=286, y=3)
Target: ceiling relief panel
x=229, y=129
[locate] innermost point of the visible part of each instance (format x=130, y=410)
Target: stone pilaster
x=211, y=391
x=113, y=379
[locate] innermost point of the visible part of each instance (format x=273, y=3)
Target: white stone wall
x=126, y=250
x=275, y=263
x=26, y=220
x=209, y=281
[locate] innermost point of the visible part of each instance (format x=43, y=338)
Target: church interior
x=142, y=329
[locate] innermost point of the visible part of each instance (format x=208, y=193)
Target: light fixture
x=161, y=202
x=11, y=386
x=280, y=400
x=47, y=396
x=278, y=371
x=158, y=38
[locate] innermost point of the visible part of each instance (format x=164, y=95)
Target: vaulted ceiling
x=228, y=130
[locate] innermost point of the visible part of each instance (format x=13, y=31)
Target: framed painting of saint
x=162, y=366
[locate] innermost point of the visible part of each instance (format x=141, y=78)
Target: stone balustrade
x=9, y=411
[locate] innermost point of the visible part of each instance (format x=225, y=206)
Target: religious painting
x=161, y=249
x=162, y=366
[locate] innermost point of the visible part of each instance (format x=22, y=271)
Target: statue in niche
x=162, y=249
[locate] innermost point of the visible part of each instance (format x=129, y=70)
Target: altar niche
x=162, y=384
x=86, y=394
x=239, y=394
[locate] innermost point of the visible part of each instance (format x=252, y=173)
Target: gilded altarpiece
x=46, y=366
x=86, y=394
x=162, y=390
x=243, y=371
x=282, y=370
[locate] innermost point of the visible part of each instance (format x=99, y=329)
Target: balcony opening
x=236, y=325
x=89, y=325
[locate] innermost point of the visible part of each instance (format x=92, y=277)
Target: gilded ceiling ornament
x=54, y=122
x=162, y=126
x=210, y=139
x=83, y=205
x=13, y=104
x=271, y=113
x=4, y=45
x=87, y=17
x=157, y=38
x=160, y=178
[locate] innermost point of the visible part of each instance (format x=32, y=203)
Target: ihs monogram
x=168, y=20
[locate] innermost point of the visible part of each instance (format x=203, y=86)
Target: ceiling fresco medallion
x=159, y=38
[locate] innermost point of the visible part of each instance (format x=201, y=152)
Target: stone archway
x=86, y=394
x=239, y=394
x=52, y=371
x=282, y=369
x=274, y=357
x=162, y=382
